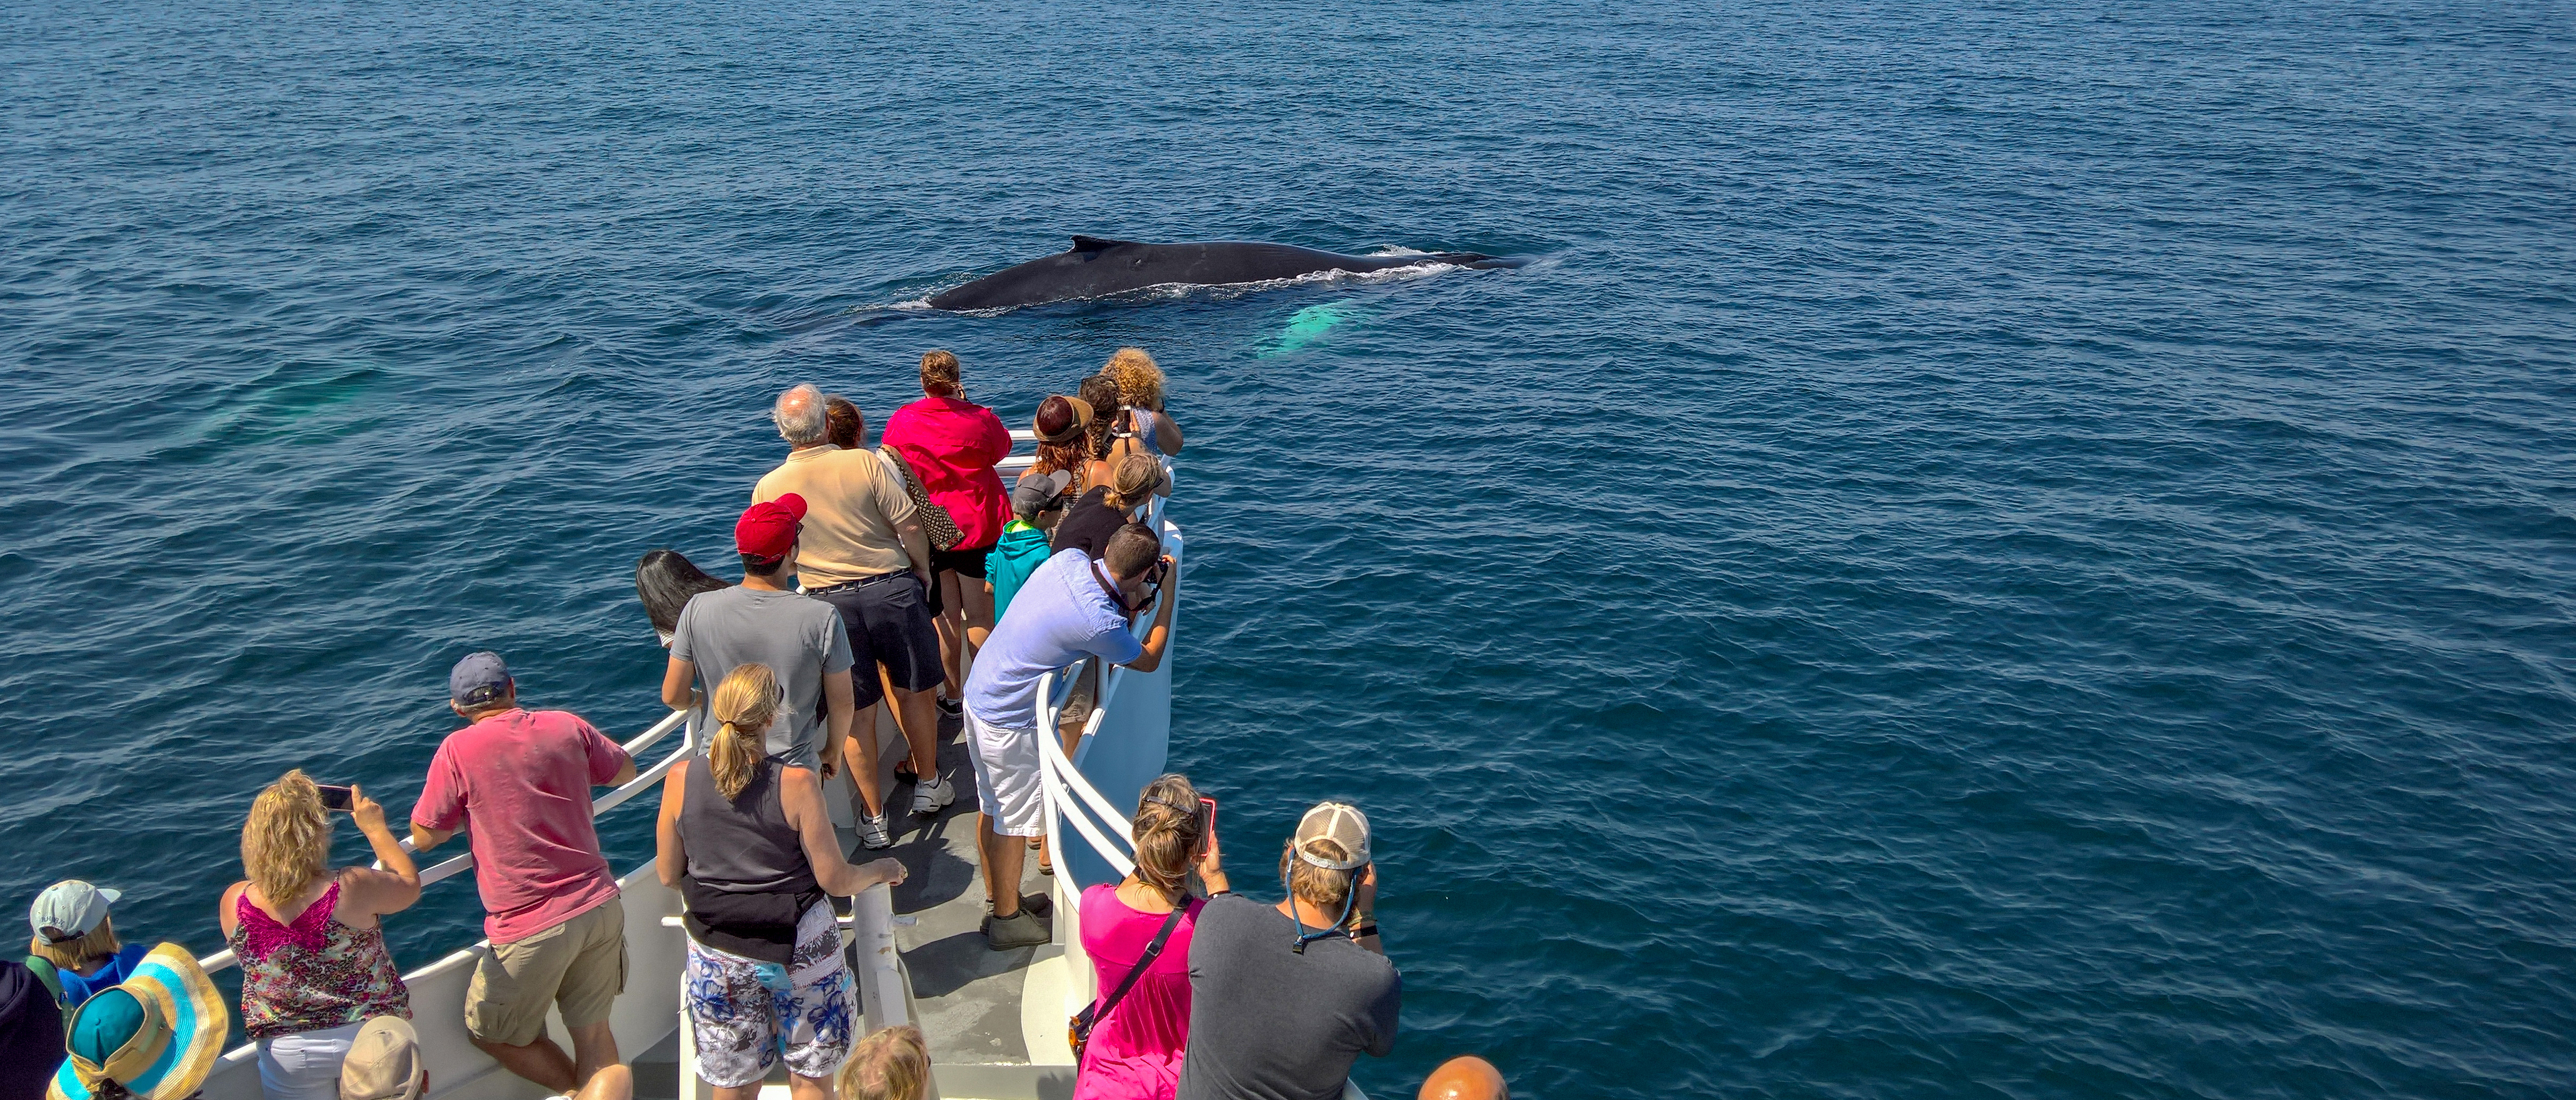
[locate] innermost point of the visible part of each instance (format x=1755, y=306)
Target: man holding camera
x=1071, y=607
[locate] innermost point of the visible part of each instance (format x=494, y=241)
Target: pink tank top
x=313, y=972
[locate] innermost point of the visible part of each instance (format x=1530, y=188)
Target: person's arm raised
x=670, y=861
x=1212, y=868
x=800, y=797
x=1159, y=639
x=393, y=889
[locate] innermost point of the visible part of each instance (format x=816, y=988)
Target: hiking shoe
x=873, y=833
x=1020, y=929
x=929, y=795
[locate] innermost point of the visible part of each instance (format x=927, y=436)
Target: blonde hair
x=286, y=844
x=1132, y=480
x=1322, y=887
x=890, y=1064
x=1170, y=830
x=939, y=372
x=72, y=954
x=1140, y=382
x=745, y=704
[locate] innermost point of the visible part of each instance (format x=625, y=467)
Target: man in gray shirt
x=765, y=621
x=1284, y=998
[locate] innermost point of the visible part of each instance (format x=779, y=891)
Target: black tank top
x=747, y=879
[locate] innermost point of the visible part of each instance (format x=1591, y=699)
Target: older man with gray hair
x=863, y=551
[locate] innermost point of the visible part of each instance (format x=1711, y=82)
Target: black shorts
x=889, y=624
x=966, y=563
x=969, y=563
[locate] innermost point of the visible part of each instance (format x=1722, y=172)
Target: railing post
x=880, y=968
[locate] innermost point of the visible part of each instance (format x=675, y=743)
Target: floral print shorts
x=745, y=1015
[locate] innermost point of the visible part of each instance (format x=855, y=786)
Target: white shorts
x=305, y=1065
x=1007, y=788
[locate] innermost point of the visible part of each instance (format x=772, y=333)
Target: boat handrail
x=1057, y=776
x=644, y=778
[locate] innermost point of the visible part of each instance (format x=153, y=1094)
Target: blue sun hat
x=158, y=1034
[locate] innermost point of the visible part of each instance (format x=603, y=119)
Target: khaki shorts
x=579, y=964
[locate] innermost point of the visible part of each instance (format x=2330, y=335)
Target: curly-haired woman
x=311, y=944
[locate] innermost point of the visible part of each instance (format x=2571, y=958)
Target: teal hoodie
x=1018, y=553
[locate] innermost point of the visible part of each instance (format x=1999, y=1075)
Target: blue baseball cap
x=478, y=679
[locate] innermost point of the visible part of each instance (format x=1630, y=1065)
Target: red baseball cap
x=768, y=529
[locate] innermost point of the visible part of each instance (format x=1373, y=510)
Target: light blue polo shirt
x=1060, y=615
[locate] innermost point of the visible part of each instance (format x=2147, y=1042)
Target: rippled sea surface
x=2012, y=551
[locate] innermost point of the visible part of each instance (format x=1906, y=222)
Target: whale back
x=1097, y=267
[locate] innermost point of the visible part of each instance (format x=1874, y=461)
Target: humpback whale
x=1095, y=267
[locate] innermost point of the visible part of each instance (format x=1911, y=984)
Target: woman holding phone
x=1135, y=1042
x=311, y=944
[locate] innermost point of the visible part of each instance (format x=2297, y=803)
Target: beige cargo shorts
x=579, y=964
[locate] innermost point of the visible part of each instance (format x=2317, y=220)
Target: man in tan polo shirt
x=863, y=551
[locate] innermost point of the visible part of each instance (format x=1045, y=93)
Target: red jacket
x=952, y=446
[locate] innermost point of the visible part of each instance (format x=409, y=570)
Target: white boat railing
x=1070, y=797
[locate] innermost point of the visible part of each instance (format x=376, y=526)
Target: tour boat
x=994, y=1020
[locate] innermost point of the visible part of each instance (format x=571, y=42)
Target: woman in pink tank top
x=1136, y=1044
x=313, y=958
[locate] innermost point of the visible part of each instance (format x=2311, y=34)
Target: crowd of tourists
x=905, y=575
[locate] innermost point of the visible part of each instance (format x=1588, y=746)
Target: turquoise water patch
x=1309, y=325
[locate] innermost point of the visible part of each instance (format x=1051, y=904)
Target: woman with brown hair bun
x=747, y=842
x=1134, y=1045
x=311, y=944
x=843, y=424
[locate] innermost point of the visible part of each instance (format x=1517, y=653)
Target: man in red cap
x=765, y=621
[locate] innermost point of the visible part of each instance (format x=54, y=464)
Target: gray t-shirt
x=799, y=637
x=1267, y=1023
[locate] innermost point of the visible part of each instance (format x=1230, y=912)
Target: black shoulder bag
x=1079, y=1030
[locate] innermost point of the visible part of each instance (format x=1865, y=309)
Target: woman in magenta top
x=951, y=445
x=1136, y=1047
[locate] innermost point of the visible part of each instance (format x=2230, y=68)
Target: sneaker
x=1017, y=930
x=873, y=833
x=949, y=707
x=931, y=794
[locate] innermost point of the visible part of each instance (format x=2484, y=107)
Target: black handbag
x=1079, y=1030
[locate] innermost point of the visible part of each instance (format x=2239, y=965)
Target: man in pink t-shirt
x=519, y=782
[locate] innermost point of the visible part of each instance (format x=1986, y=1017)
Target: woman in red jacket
x=951, y=445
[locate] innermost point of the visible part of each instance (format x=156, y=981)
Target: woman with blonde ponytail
x=747, y=842
x=1134, y=1047
x=312, y=949
x=745, y=705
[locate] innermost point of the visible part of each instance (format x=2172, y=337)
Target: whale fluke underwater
x=1096, y=268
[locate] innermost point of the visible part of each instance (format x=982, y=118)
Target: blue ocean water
x=2009, y=550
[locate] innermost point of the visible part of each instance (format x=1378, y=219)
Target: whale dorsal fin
x=1094, y=244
